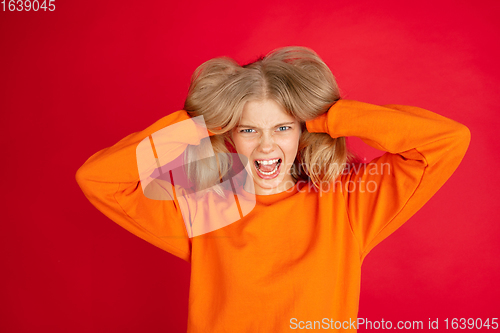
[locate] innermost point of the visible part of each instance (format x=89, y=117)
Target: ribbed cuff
x=318, y=124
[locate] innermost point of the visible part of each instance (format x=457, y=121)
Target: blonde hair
x=294, y=77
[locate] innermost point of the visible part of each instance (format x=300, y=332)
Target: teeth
x=269, y=173
x=267, y=162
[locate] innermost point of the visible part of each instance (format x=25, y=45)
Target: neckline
x=271, y=198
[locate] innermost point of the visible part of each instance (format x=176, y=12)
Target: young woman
x=276, y=236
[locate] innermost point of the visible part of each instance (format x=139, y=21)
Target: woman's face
x=266, y=134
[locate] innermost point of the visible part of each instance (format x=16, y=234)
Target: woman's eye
x=245, y=130
x=280, y=129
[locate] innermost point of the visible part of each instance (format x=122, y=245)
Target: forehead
x=267, y=113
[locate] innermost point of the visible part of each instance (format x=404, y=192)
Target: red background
x=79, y=79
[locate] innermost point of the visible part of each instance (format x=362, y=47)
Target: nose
x=266, y=145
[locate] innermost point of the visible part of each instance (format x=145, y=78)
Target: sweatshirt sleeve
x=423, y=149
x=111, y=181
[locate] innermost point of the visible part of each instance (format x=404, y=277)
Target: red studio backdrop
x=83, y=76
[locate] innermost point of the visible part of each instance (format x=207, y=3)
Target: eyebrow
x=288, y=123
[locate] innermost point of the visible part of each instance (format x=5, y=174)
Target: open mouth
x=268, y=169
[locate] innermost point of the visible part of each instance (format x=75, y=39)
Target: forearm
x=142, y=151
x=395, y=129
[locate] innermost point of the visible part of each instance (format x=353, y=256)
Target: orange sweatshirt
x=294, y=261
